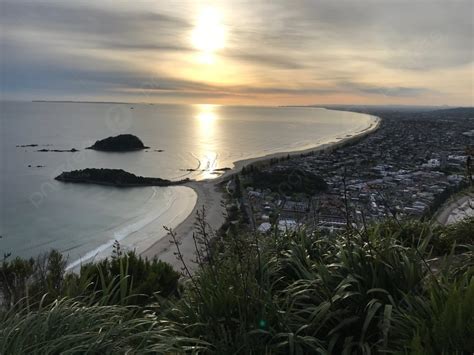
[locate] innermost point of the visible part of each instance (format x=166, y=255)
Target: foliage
x=68, y=326
x=359, y=292
x=140, y=279
x=26, y=280
x=441, y=322
x=287, y=181
x=122, y=279
x=443, y=197
x=303, y=293
x=461, y=233
x=440, y=239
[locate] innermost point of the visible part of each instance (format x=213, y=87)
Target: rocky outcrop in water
x=114, y=177
x=72, y=150
x=120, y=143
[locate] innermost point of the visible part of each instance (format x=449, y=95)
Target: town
x=405, y=169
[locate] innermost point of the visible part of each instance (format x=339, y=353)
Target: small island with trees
x=113, y=177
x=120, y=143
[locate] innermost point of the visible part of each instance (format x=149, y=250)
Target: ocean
x=38, y=213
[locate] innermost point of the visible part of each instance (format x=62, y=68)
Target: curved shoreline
x=211, y=199
x=138, y=232
x=354, y=136
x=208, y=197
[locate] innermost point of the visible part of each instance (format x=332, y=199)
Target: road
x=452, y=208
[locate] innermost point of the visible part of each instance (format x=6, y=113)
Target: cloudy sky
x=239, y=51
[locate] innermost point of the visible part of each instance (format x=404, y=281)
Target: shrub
x=303, y=293
x=139, y=280
x=359, y=292
x=439, y=240
x=288, y=181
x=442, y=321
x=122, y=279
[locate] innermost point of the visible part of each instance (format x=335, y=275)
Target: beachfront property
x=403, y=170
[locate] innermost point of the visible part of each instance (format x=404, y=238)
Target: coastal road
x=452, y=209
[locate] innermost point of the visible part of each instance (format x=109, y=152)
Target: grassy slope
x=358, y=292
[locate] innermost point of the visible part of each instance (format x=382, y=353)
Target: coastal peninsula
x=114, y=177
x=120, y=143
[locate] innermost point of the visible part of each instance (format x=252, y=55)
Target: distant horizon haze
x=333, y=106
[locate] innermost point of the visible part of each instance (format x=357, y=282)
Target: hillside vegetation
x=391, y=288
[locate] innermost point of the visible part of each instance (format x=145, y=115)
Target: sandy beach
x=209, y=196
x=139, y=232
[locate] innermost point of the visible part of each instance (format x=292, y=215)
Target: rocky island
x=120, y=143
x=72, y=150
x=114, y=177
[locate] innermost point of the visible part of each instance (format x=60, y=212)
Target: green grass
x=360, y=292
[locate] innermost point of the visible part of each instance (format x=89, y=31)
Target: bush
x=359, y=292
x=440, y=240
x=288, y=181
x=441, y=322
x=458, y=234
x=140, y=280
x=25, y=281
x=122, y=279
x=301, y=293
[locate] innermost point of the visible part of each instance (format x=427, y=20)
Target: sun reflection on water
x=207, y=127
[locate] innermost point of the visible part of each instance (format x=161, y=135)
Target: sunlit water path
x=39, y=213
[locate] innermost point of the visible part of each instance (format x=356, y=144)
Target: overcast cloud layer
x=278, y=52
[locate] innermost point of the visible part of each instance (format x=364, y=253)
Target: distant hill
x=430, y=112
x=387, y=108
x=458, y=112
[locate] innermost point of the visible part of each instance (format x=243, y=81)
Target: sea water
x=38, y=213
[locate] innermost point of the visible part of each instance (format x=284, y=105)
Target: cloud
x=275, y=60
x=283, y=48
x=92, y=26
x=418, y=35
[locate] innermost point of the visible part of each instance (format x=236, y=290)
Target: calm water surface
x=38, y=213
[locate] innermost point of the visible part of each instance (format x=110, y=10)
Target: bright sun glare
x=209, y=34
x=206, y=113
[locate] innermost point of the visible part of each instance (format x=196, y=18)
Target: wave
x=122, y=232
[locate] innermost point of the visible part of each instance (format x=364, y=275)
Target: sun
x=206, y=113
x=209, y=35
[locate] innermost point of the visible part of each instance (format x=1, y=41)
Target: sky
x=249, y=52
